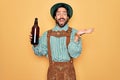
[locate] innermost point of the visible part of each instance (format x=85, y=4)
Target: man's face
x=61, y=17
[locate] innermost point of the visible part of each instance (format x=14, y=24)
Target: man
x=61, y=44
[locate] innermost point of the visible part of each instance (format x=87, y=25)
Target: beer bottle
x=35, y=33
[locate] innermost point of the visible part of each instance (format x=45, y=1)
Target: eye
x=58, y=14
x=64, y=13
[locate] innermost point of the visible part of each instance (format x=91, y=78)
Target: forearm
x=75, y=48
x=37, y=50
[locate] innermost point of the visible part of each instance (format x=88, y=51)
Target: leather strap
x=58, y=34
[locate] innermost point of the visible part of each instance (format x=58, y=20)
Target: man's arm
x=41, y=48
x=75, y=45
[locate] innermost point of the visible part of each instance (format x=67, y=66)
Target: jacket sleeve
x=74, y=48
x=41, y=48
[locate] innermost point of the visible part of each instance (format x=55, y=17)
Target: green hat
x=58, y=5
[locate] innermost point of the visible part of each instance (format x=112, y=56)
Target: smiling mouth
x=61, y=19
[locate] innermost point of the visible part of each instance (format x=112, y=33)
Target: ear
x=68, y=18
x=55, y=17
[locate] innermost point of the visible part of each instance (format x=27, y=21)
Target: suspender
x=58, y=34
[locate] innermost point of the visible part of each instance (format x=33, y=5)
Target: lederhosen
x=60, y=70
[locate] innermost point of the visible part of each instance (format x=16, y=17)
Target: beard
x=61, y=24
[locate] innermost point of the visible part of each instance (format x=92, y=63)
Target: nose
x=61, y=15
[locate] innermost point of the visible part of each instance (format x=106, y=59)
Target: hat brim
x=58, y=5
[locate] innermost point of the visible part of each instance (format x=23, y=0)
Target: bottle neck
x=36, y=22
x=35, y=25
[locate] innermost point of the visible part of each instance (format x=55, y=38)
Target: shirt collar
x=57, y=28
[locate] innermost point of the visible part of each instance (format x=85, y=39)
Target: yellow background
x=101, y=49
